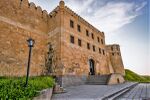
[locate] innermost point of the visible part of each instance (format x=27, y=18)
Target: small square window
x=71, y=24
x=72, y=39
x=88, y=46
x=113, y=54
x=100, y=50
x=92, y=36
x=118, y=53
x=102, y=41
x=112, y=48
x=98, y=39
x=118, y=48
x=87, y=33
x=79, y=42
x=94, y=48
x=103, y=52
x=79, y=28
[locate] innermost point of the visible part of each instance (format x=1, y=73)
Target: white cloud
x=113, y=16
x=109, y=17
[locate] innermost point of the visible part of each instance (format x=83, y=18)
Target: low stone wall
x=45, y=95
x=115, y=79
x=74, y=80
x=71, y=80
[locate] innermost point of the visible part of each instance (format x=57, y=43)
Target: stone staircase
x=97, y=79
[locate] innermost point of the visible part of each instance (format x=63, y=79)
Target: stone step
x=94, y=83
x=97, y=79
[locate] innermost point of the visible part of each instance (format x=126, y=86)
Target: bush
x=14, y=88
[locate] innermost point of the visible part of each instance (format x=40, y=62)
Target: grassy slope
x=131, y=76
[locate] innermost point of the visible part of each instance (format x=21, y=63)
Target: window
x=118, y=53
x=100, y=50
x=98, y=39
x=102, y=41
x=103, y=52
x=112, y=48
x=117, y=48
x=113, y=54
x=93, y=48
x=72, y=39
x=79, y=42
x=87, y=33
x=71, y=24
x=79, y=28
x=88, y=46
x=92, y=36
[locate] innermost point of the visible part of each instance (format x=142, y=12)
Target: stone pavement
x=89, y=92
x=140, y=92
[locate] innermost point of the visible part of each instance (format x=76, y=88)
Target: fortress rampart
x=20, y=20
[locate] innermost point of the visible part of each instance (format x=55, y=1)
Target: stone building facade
x=65, y=44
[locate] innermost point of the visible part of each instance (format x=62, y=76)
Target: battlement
x=113, y=47
x=25, y=13
x=38, y=9
x=21, y=4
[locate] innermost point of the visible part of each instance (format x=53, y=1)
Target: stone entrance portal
x=91, y=65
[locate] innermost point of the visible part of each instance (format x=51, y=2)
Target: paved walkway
x=140, y=92
x=89, y=92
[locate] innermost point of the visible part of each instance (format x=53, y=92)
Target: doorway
x=91, y=65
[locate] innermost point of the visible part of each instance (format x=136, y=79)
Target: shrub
x=14, y=88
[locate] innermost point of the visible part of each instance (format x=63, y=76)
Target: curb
x=45, y=94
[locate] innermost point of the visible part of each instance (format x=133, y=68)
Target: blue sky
x=125, y=22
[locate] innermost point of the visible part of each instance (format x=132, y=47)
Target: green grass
x=131, y=76
x=14, y=88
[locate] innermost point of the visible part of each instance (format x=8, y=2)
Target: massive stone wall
x=14, y=51
x=20, y=20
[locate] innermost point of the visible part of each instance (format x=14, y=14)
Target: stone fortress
x=65, y=44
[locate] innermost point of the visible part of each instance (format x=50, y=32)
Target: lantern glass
x=30, y=42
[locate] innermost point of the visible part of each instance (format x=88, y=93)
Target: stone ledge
x=45, y=94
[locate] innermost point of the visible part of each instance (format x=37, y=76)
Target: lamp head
x=30, y=42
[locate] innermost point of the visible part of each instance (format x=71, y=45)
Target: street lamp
x=30, y=45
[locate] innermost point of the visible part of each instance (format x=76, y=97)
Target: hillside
x=131, y=76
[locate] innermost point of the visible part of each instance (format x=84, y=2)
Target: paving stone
x=93, y=92
x=141, y=91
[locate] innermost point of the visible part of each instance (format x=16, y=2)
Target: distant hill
x=131, y=76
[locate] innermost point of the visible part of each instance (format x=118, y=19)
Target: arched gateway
x=91, y=65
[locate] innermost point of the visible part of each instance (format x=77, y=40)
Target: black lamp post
x=30, y=45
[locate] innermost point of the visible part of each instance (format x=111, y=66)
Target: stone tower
x=116, y=58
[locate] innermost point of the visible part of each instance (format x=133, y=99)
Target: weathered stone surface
x=90, y=92
x=115, y=79
x=139, y=92
x=44, y=95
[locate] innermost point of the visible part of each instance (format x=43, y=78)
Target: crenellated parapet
x=113, y=49
x=25, y=13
